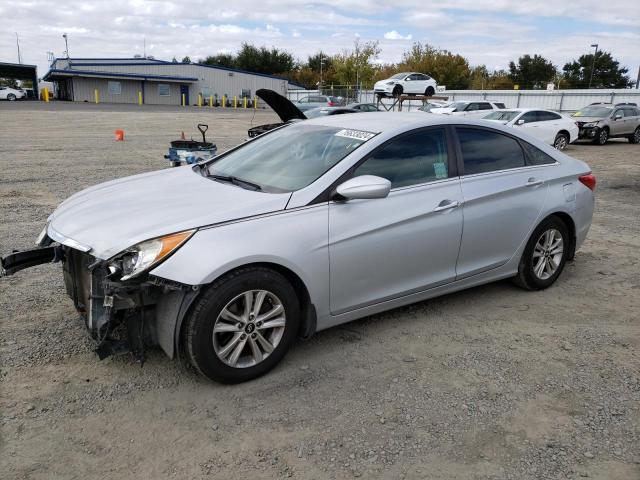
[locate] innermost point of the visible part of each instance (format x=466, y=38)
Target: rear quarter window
x=535, y=156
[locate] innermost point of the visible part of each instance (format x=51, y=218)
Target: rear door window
x=530, y=117
x=485, y=106
x=488, y=151
x=415, y=158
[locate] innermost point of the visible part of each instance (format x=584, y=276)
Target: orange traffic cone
x=119, y=135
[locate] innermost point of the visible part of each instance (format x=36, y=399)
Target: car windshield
x=593, y=111
x=505, y=116
x=289, y=158
x=458, y=106
x=316, y=112
x=399, y=75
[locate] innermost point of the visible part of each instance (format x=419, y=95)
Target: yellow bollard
x=224, y=101
x=245, y=102
x=96, y=95
x=184, y=100
x=45, y=92
x=255, y=102
x=139, y=97
x=210, y=101
x=235, y=102
x=199, y=99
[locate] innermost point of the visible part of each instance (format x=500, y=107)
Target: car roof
x=380, y=122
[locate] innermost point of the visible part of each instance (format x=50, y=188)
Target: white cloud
x=394, y=35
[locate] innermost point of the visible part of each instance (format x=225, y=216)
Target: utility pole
x=66, y=44
x=321, y=62
x=18, y=45
x=593, y=64
x=144, y=49
x=638, y=80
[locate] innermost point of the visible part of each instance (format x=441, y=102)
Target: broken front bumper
x=121, y=316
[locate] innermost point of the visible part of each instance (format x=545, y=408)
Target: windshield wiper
x=236, y=181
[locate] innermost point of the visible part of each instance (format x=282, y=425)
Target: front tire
x=635, y=136
x=242, y=325
x=397, y=91
x=429, y=91
x=544, y=256
x=11, y=97
x=602, y=137
x=561, y=141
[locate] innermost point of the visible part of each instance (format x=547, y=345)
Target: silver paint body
x=356, y=257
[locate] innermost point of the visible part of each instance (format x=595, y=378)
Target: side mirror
x=520, y=122
x=618, y=116
x=364, y=186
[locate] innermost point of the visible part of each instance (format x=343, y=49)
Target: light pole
x=66, y=44
x=18, y=45
x=593, y=64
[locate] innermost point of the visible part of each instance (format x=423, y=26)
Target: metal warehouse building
x=126, y=80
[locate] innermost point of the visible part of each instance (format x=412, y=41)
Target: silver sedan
x=309, y=226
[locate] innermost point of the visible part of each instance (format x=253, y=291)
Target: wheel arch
x=308, y=320
x=571, y=226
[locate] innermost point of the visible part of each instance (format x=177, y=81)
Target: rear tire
x=544, y=256
x=602, y=137
x=561, y=141
x=11, y=97
x=429, y=91
x=635, y=136
x=228, y=354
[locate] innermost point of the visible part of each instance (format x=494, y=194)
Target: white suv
x=409, y=83
x=471, y=109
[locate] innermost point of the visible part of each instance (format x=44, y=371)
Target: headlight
x=390, y=83
x=139, y=258
x=590, y=124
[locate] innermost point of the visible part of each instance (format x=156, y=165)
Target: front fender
x=294, y=239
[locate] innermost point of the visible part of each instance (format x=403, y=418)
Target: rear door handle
x=532, y=182
x=446, y=205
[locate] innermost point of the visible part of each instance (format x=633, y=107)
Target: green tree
x=263, y=60
x=220, y=60
x=447, y=68
x=479, y=78
x=607, y=72
x=313, y=62
x=186, y=59
x=532, y=72
x=353, y=67
x=499, y=80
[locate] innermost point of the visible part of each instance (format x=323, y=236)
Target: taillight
x=588, y=180
x=330, y=104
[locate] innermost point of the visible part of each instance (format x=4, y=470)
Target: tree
x=499, y=80
x=353, y=67
x=186, y=59
x=479, y=78
x=313, y=62
x=447, y=68
x=263, y=60
x=606, y=74
x=532, y=72
x=220, y=60
x=8, y=82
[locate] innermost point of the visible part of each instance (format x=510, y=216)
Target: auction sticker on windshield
x=357, y=134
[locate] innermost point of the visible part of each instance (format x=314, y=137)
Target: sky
x=489, y=32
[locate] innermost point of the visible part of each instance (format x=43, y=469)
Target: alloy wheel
x=547, y=254
x=561, y=142
x=249, y=328
x=603, y=137
x=636, y=135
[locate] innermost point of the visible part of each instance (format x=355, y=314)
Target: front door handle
x=532, y=182
x=446, y=205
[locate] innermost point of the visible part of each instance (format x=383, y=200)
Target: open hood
x=283, y=107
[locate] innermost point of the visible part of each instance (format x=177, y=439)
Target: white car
x=468, y=108
x=547, y=126
x=7, y=93
x=408, y=83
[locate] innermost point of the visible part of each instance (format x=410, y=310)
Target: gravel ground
x=490, y=383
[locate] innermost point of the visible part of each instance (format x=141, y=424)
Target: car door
x=503, y=198
x=531, y=124
x=381, y=249
x=421, y=83
x=631, y=120
x=616, y=125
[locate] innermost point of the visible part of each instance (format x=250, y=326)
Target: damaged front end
x=124, y=308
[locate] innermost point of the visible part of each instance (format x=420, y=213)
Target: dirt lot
x=494, y=382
